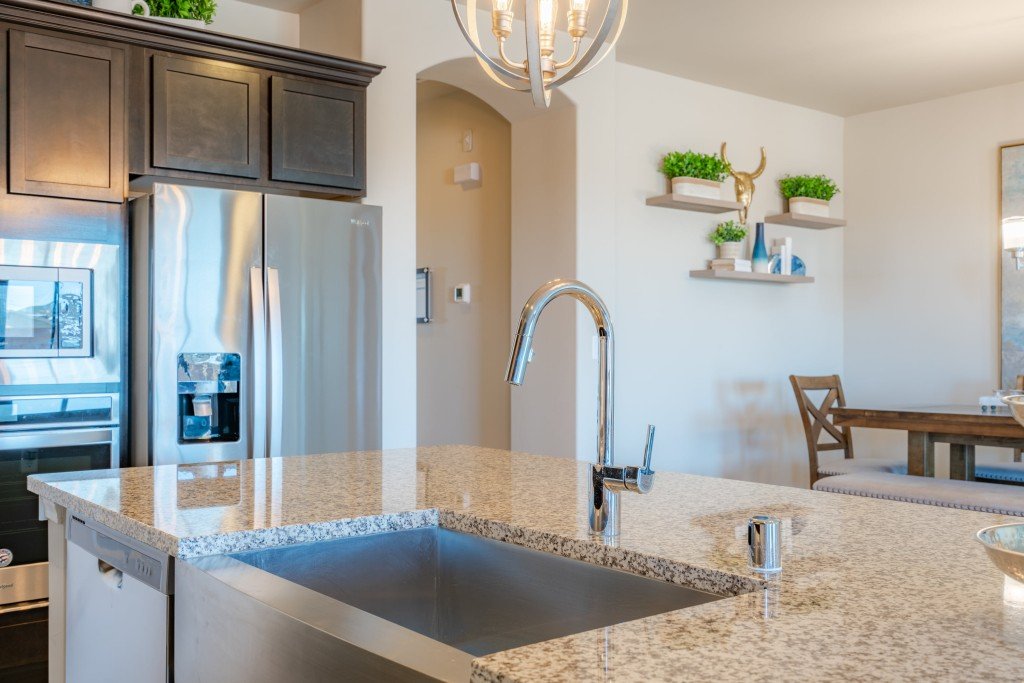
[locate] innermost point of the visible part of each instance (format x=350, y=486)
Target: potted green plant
x=694, y=174
x=728, y=236
x=809, y=194
x=194, y=13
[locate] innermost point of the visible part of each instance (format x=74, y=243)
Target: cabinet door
x=206, y=117
x=318, y=133
x=67, y=106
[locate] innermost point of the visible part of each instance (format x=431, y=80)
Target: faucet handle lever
x=648, y=450
x=638, y=479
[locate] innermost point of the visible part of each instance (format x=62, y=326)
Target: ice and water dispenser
x=209, y=406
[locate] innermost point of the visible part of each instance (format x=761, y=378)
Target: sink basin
x=474, y=594
x=406, y=605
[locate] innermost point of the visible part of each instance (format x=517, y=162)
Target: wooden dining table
x=961, y=426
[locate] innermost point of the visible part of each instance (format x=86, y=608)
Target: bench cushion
x=834, y=466
x=1003, y=471
x=964, y=495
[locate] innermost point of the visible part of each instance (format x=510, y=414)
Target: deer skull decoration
x=745, y=183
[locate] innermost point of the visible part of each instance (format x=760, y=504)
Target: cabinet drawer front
x=67, y=104
x=318, y=134
x=206, y=118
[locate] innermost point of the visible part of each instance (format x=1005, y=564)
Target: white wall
x=410, y=37
x=708, y=361
x=922, y=254
x=544, y=248
x=732, y=416
x=256, y=22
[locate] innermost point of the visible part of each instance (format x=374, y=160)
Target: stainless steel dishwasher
x=118, y=607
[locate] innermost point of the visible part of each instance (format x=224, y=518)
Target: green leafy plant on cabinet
x=203, y=10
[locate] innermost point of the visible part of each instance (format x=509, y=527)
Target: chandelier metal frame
x=540, y=73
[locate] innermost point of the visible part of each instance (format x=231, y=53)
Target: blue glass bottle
x=760, y=257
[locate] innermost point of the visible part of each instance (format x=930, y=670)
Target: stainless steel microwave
x=45, y=312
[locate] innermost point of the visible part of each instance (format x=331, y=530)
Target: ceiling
x=840, y=56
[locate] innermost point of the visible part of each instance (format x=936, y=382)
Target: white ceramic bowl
x=1016, y=405
x=1005, y=547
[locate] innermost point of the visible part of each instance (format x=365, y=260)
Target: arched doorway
x=542, y=246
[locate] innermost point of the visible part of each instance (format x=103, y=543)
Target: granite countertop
x=871, y=589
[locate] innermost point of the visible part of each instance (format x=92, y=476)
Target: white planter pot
x=733, y=250
x=695, y=187
x=190, y=23
x=809, y=207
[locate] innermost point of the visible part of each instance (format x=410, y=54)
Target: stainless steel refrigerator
x=256, y=326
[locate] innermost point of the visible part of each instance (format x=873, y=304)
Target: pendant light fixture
x=541, y=71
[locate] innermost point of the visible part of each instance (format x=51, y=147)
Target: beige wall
x=463, y=236
x=922, y=253
x=333, y=27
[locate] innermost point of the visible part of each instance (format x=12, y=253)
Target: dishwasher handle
x=112, y=576
x=121, y=556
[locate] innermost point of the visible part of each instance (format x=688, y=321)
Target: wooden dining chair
x=816, y=416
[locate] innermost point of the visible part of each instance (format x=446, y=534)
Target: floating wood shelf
x=750, y=277
x=803, y=220
x=687, y=203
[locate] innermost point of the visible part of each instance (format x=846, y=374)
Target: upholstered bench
x=964, y=495
x=1002, y=471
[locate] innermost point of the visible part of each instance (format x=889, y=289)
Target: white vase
x=696, y=187
x=809, y=207
x=190, y=23
x=123, y=6
x=733, y=250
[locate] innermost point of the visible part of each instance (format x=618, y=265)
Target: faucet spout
x=523, y=343
x=606, y=480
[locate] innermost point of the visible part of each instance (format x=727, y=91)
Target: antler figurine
x=745, y=183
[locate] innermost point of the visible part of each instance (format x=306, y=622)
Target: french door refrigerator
x=256, y=326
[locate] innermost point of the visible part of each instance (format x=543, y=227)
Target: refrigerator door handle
x=276, y=420
x=258, y=421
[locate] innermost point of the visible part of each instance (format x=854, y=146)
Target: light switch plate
x=467, y=140
x=462, y=294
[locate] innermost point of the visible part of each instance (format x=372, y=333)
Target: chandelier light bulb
x=541, y=71
x=548, y=10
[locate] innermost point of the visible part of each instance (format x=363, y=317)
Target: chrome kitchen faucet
x=606, y=480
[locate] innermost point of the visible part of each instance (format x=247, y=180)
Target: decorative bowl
x=1016, y=405
x=1005, y=547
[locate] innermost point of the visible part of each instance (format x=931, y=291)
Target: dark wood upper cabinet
x=317, y=133
x=206, y=117
x=100, y=103
x=66, y=117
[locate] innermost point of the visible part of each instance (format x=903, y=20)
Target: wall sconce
x=1013, y=239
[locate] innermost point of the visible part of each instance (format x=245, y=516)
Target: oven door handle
x=59, y=438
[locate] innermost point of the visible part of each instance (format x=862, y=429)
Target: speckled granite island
x=871, y=590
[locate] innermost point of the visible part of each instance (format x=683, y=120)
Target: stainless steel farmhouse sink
x=416, y=604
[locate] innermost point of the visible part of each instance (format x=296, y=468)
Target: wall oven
x=45, y=312
x=45, y=434
x=60, y=317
